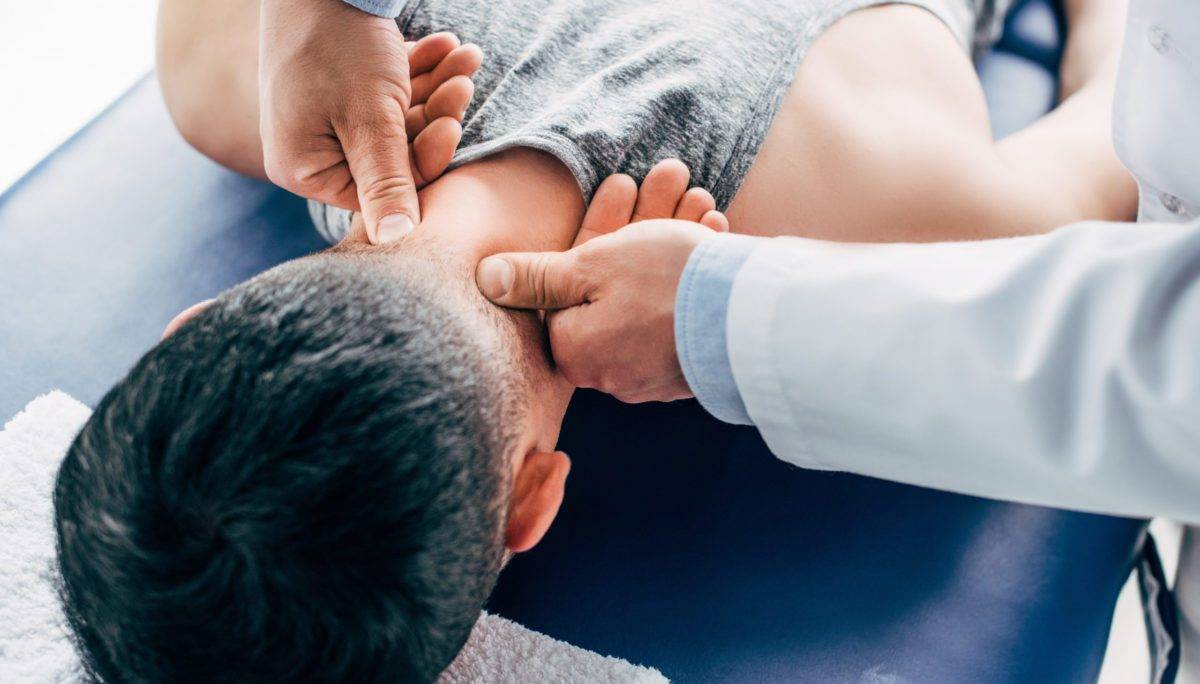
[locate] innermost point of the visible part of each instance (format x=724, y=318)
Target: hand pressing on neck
x=610, y=299
x=337, y=90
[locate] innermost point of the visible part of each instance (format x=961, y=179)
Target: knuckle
x=564, y=349
x=537, y=281
x=277, y=171
x=390, y=186
x=296, y=178
x=603, y=381
x=302, y=179
x=373, y=128
x=628, y=398
x=574, y=376
x=587, y=379
x=574, y=367
x=607, y=385
x=569, y=337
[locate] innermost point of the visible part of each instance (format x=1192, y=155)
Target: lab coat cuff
x=752, y=328
x=389, y=9
x=701, y=307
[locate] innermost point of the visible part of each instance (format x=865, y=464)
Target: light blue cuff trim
x=701, y=308
x=380, y=8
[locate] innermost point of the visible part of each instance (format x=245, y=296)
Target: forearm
x=1093, y=43
x=1058, y=370
x=884, y=137
x=1069, y=152
x=207, y=67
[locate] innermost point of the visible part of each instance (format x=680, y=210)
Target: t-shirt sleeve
x=380, y=8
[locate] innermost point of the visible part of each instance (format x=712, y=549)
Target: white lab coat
x=1061, y=370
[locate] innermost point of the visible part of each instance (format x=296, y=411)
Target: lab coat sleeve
x=701, y=311
x=1061, y=370
x=381, y=8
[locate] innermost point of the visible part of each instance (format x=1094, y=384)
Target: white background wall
x=61, y=63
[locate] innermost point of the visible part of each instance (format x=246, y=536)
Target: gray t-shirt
x=611, y=86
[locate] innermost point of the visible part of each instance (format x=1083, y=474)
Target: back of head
x=305, y=481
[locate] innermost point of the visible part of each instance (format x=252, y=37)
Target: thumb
x=378, y=159
x=532, y=280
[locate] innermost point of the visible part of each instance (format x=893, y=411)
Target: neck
x=517, y=201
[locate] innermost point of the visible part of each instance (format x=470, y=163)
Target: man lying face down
x=309, y=477
x=319, y=474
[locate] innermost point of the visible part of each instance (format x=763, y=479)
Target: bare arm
x=884, y=137
x=1070, y=149
x=207, y=64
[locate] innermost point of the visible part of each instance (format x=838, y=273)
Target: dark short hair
x=304, y=482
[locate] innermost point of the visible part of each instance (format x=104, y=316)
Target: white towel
x=34, y=646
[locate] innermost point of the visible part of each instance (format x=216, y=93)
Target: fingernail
x=494, y=277
x=394, y=227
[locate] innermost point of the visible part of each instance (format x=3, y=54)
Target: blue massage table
x=683, y=543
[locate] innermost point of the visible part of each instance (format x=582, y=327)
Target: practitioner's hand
x=615, y=295
x=612, y=296
x=335, y=92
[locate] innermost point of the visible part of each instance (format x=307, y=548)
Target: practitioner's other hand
x=335, y=93
x=441, y=71
x=612, y=297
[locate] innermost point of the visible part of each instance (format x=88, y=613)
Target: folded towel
x=34, y=646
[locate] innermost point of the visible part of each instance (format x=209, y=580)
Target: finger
x=320, y=173
x=532, y=280
x=415, y=121
x=568, y=332
x=429, y=51
x=661, y=190
x=610, y=209
x=450, y=99
x=433, y=149
x=378, y=158
x=659, y=394
x=695, y=204
x=636, y=388
x=715, y=220
x=462, y=61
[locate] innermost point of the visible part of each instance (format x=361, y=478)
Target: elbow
x=188, y=117
x=176, y=65
x=209, y=90
x=1017, y=202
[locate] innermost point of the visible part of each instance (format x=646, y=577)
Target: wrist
x=701, y=315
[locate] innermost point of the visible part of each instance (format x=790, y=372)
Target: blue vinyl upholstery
x=682, y=544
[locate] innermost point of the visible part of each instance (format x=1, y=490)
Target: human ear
x=185, y=316
x=537, y=494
